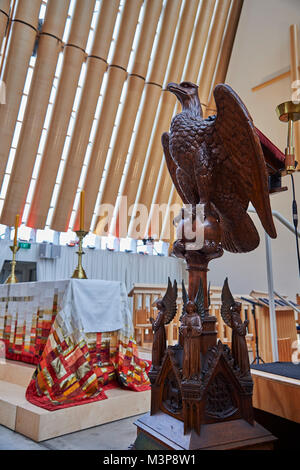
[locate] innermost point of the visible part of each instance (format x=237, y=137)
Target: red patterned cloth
x=74, y=371
x=73, y=367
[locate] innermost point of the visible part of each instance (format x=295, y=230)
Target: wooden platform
x=277, y=395
x=39, y=424
x=163, y=432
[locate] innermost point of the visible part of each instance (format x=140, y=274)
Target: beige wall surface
x=261, y=51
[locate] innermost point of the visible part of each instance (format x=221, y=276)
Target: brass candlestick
x=12, y=277
x=79, y=272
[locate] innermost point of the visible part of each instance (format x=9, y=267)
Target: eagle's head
x=187, y=93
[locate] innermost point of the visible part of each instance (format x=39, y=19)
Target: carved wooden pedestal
x=201, y=391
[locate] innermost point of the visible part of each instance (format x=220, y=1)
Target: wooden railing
x=145, y=294
x=285, y=325
x=143, y=297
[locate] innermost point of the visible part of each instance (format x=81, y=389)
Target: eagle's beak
x=176, y=89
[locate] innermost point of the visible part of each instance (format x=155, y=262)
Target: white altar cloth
x=97, y=304
x=91, y=305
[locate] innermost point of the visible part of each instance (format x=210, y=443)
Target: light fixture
x=289, y=112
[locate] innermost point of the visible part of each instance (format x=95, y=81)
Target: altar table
x=79, y=334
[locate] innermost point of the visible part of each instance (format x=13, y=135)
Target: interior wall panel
x=212, y=50
x=225, y=51
x=135, y=86
x=167, y=104
x=152, y=93
x=74, y=55
x=4, y=16
x=117, y=74
x=22, y=39
x=164, y=183
x=49, y=47
x=138, y=51
x=96, y=66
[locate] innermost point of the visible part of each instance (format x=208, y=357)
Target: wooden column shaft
x=115, y=81
x=167, y=104
x=74, y=55
x=21, y=44
x=111, y=100
x=96, y=66
x=150, y=103
x=191, y=74
x=165, y=183
x=4, y=16
x=166, y=108
x=55, y=18
x=135, y=86
x=152, y=94
x=199, y=40
x=166, y=37
x=213, y=48
x=48, y=50
x=5, y=6
x=80, y=138
x=226, y=50
x=72, y=62
x=168, y=229
x=31, y=130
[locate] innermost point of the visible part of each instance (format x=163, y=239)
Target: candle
x=16, y=229
x=81, y=210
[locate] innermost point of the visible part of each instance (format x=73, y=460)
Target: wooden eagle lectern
x=201, y=391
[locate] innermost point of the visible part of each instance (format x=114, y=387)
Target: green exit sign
x=24, y=245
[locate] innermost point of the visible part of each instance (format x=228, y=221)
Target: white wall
x=261, y=51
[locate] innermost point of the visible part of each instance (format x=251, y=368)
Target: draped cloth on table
x=74, y=366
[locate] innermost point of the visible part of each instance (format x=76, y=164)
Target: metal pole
x=279, y=217
x=272, y=312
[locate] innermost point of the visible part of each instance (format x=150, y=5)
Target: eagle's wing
x=227, y=303
x=199, y=301
x=172, y=167
x=235, y=130
x=169, y=301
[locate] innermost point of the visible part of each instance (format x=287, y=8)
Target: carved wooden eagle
x=219, y=162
